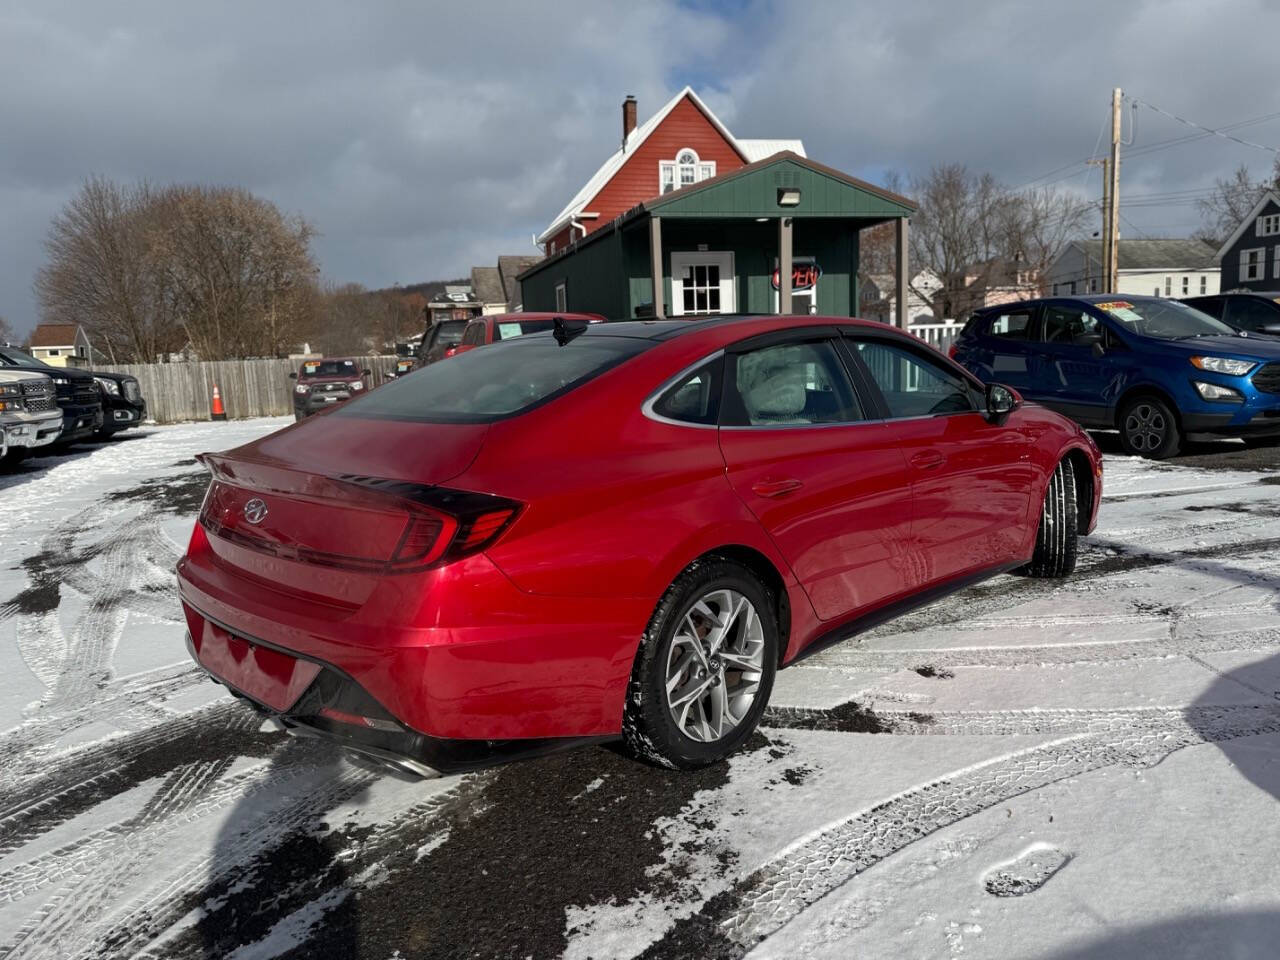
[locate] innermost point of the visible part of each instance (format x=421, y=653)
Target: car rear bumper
x=330, y=705
x=458, y=653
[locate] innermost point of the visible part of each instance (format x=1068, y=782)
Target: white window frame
x=1186, y=286
x=1268, y=225
x=1257, y=269
x=562, y=296
x=811, y=294
x=1276, y=249
x=53, y=353
x=1204, y=281
x=671, y=172
x=688, y=259
x=1168, y=286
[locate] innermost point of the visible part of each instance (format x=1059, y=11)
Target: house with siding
x=686, y=219
x=1177, y=267
x=1250, y=259
x=61, y=345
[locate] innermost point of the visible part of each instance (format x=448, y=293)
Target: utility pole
x=1104, y=263
x=1113, y=218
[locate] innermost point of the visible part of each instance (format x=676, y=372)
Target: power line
x=1209, y=131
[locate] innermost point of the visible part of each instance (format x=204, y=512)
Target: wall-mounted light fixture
x=788, y=196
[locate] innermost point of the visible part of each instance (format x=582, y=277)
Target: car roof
x=670, y=329
x=1089, y=298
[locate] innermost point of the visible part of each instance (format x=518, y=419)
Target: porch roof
x=751, y=192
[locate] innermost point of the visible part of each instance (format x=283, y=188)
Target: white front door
x=702, y=282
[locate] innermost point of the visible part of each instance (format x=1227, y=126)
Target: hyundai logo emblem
x=255, y=511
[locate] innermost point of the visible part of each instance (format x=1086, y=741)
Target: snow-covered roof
x=749, y=150
x=759, y=149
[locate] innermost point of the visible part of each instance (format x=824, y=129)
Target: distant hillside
x=428, y=288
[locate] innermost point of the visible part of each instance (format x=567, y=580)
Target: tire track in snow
x=68, y=923
x=729, y=924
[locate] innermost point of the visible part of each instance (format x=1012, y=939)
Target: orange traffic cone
x=218, y=412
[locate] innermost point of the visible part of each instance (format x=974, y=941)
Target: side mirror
x=293, y=374
x=1001, y=401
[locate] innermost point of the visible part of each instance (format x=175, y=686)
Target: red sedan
x=614, y=531
x=508, y=326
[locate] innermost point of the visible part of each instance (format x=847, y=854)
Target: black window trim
x=977, y=389
x=816, y=334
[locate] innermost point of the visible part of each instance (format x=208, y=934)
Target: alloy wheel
x=714, y=666
x=1146, y=427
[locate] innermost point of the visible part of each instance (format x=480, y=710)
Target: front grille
x=132, y=393
x=1268, y=378
x=41, y=388
x=89, y=394
x=40, y=404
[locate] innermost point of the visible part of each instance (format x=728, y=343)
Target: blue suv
x=1154, y=369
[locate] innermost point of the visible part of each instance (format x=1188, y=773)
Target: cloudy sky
x=421, y=138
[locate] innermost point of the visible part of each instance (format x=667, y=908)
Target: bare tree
x=6, y=332
x=1230, y=202
x=969, y=228
x=353, y=320
x=148, y=270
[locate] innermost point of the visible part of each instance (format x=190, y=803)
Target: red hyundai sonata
x=614, y=531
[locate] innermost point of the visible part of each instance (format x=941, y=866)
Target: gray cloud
x=423, y=138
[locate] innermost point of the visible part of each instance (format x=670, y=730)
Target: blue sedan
x=1154, y=369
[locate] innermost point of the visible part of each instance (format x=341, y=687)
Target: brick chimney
x=628, y=118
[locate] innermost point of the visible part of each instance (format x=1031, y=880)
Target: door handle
x=775, y=488
x=928, y=460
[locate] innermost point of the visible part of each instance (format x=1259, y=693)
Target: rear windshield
x=509, y=329
x=449, y=332
x=502, y=380
x=330, y=368
x=16, y=358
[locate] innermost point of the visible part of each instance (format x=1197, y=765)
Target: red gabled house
x=682, y=144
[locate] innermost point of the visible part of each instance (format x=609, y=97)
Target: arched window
x=687, y=168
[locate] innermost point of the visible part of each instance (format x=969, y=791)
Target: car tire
x=1058, y=533
x=1148, y=428
x=683, y=654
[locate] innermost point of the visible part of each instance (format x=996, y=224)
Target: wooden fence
x=249, y=388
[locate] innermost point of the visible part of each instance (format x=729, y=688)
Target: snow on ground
x=1029, y=768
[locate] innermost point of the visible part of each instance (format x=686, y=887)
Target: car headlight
x=110, y=386
x=1215, y=391
x=357, y=385
x=301, y=388
x=1234, y=368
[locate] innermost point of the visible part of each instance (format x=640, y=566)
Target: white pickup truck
x=29, y=414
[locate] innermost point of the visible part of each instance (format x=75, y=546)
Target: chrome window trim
x=647, y=407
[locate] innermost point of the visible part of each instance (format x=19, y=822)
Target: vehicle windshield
x=1164, y=319
x=507, y=378
x=16, y=358
x=449, y=332
x=510, y=329
x=330, y=368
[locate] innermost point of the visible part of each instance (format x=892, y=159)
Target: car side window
x=913, y=385
x=792, y=384
x=1015, y=325
x=1213, y=306
x=474, y=334
x=695, y=398
x=1069, y=326
x=1250, y=313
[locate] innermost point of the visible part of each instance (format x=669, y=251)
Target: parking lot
x=1029, y=768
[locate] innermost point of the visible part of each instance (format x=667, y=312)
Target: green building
x=776, y=236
